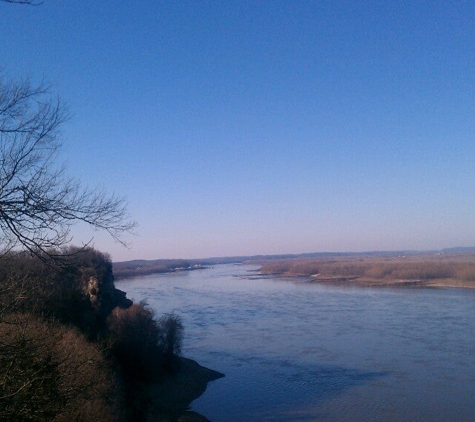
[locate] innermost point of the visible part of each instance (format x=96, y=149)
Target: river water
x=298, y=351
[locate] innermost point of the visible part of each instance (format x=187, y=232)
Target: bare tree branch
x=38, y=203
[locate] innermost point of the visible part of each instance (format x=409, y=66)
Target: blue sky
x=263, y=127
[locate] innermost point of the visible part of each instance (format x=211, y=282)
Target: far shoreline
x=414, y=271
x=452, y=268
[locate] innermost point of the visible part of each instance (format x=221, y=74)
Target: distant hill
x=141, y=267
x=459, y=250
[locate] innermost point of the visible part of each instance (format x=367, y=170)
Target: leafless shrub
x=136, y=341
x=171, y=328
x=51, y=372
x=145, y=346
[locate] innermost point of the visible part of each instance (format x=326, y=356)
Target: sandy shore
x=368, y=282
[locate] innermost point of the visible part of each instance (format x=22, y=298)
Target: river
x=298, y=351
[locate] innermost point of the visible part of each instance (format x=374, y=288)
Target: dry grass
x=418, y=268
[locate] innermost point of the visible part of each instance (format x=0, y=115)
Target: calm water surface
x=297, y=351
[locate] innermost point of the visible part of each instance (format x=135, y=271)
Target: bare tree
x=38, y=202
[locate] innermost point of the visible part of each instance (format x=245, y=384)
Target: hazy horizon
x=253, y=127
x=455, y=249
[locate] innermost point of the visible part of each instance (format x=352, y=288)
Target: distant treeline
x=142, y=267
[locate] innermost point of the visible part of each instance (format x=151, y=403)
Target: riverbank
x=170, y=398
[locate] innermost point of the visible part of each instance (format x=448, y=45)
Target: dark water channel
x=298, y=351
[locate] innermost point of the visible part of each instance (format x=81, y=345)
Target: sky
x=263, y=127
